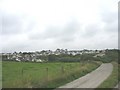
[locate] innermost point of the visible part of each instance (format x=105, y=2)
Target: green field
x=43, y=75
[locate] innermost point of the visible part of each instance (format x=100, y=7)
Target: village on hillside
x=35, y=56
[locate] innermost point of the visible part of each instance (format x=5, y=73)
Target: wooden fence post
x=22, y=75
x=62, y=69
x=47, y=73
x=22, y=72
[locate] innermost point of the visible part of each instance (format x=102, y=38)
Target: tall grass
x=43, y=75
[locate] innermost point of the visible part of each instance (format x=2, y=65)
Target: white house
x=37, y=60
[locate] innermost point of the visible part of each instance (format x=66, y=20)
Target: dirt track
x=93, y=79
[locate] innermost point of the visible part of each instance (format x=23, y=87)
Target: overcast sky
x=34, y=25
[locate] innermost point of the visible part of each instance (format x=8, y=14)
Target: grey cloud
x=72, y=27
x=15, y=47
x=71, y=36
x=14, y=43
x=50, y=32
x=67, y=31
x=110, y=19
x=91, y=31
x=112, y=27
x=64, y=34
x=15, y=24
x=11, y=24
x=65, y=39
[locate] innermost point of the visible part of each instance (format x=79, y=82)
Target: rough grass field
x=43, y=75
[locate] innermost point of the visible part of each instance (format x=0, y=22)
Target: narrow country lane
x=93, y=79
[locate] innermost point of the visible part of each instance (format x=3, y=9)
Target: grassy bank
x=43, y=75
x=112, y=80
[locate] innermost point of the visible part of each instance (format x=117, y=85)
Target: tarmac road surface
x=93, y=79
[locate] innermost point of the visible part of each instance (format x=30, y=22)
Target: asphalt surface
x=118, y=86
x=93, y=79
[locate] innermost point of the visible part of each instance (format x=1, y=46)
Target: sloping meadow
x=43, y=75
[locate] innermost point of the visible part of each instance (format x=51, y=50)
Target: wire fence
x=46, y=75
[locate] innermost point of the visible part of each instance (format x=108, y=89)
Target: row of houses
x=21, y=57
x=35, y=56
x=70, y=52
